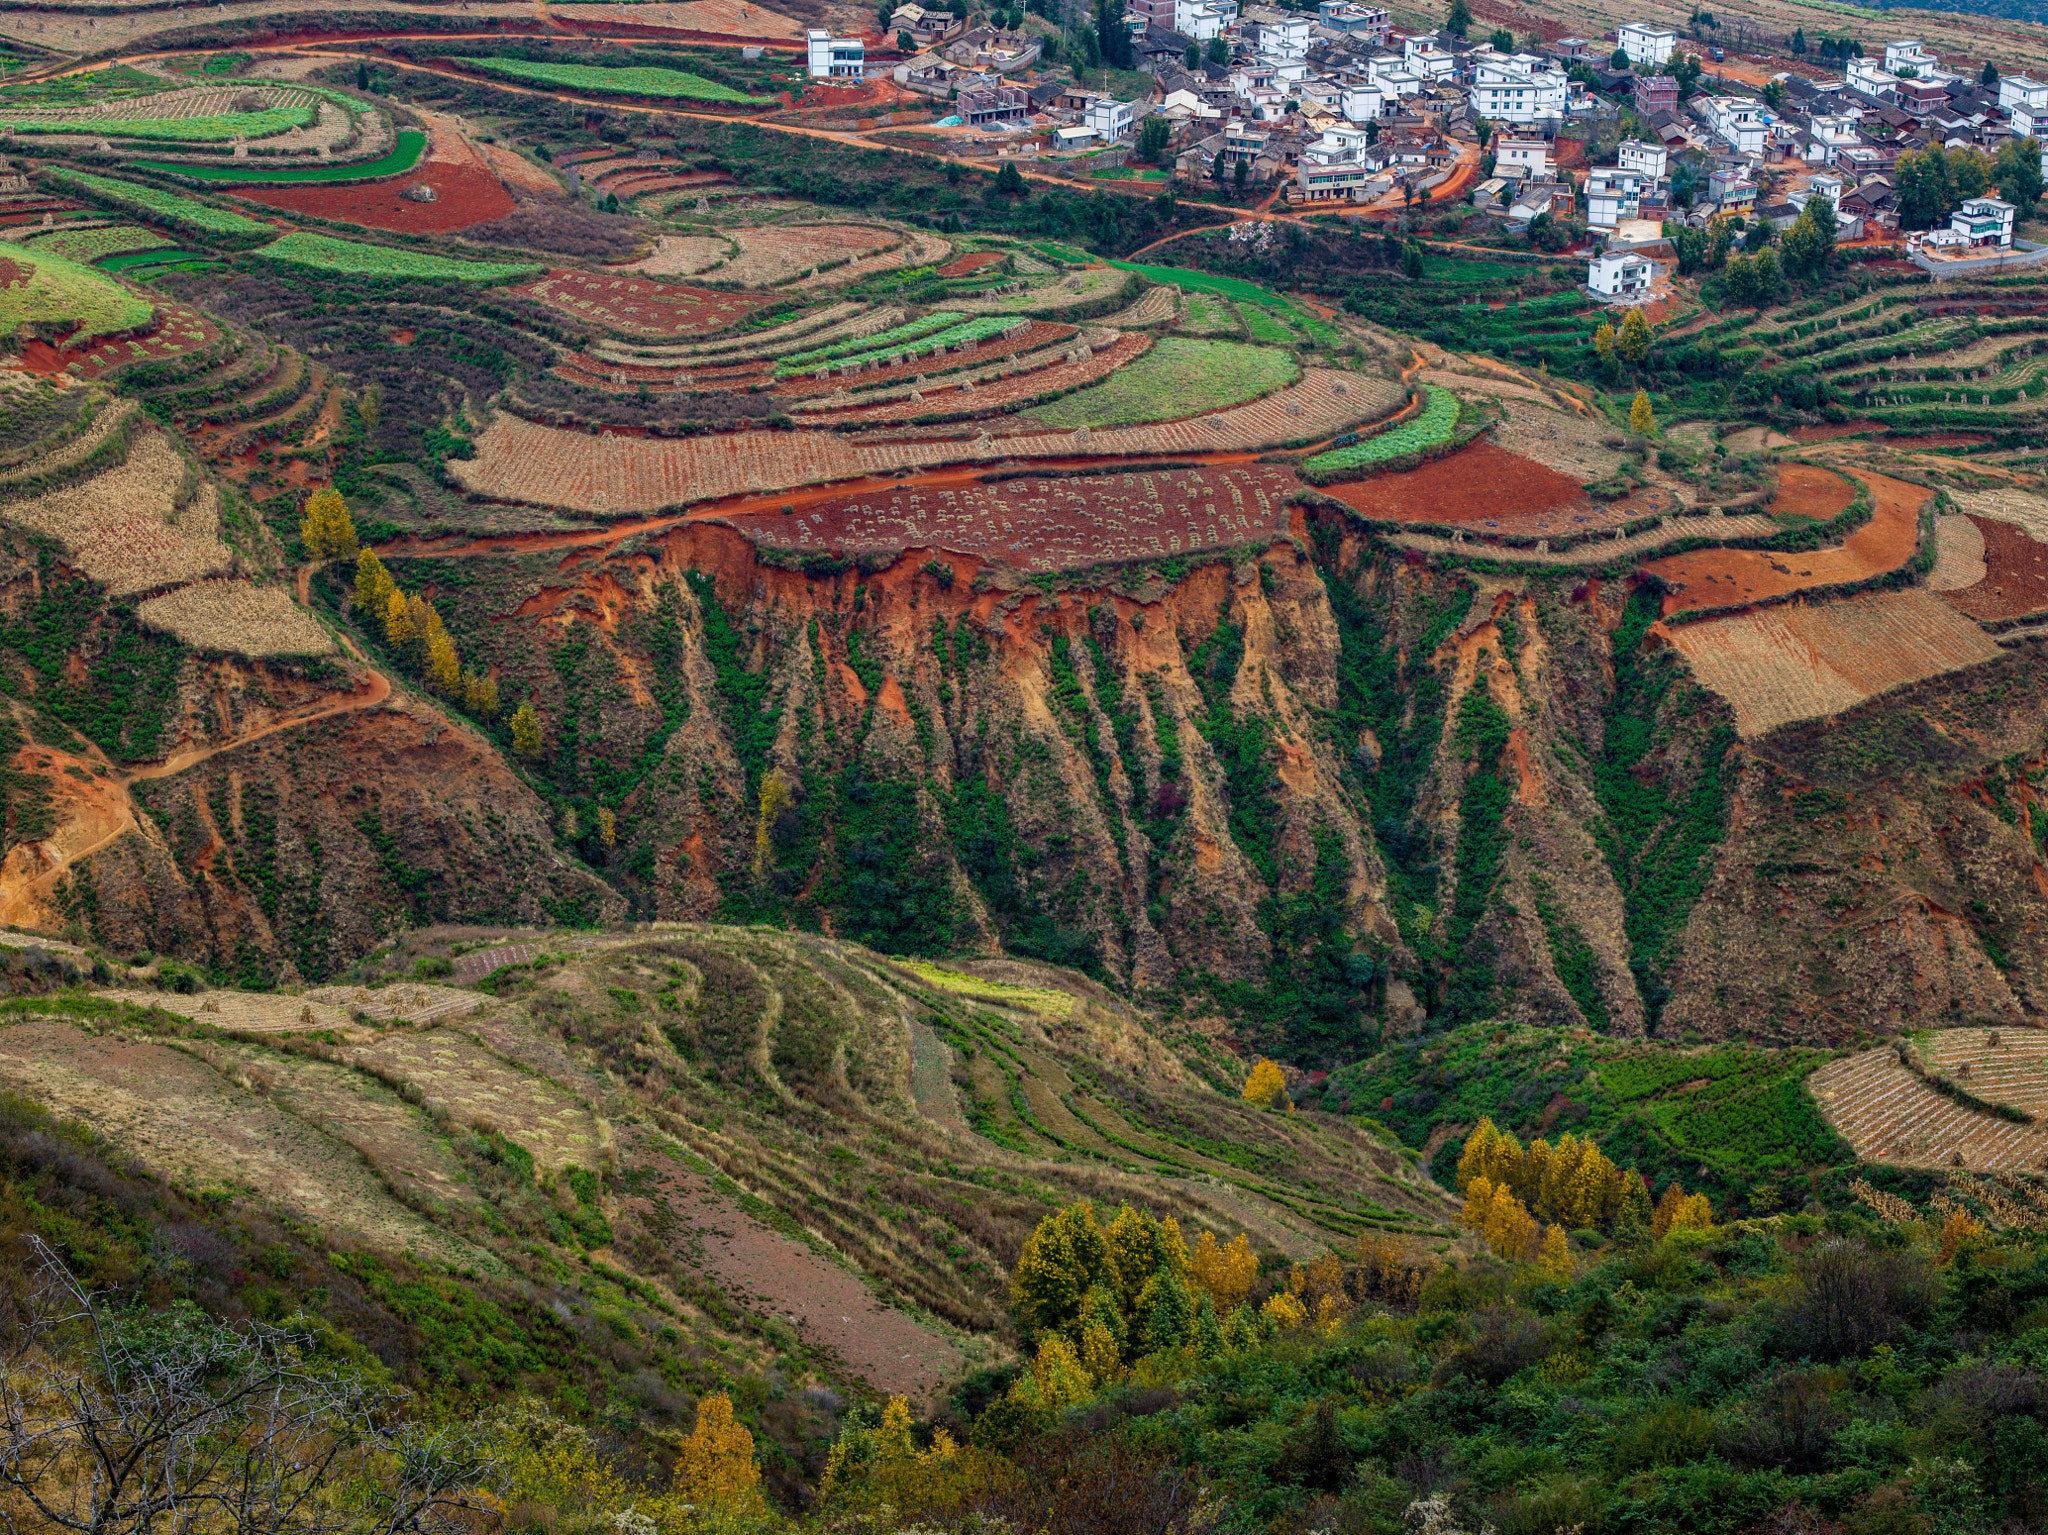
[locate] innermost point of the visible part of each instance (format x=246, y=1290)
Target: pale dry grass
x=235, y=618
x=770, y=256
x=123, y=528
x=1958, y=555
x=684, y=255
x=2023, y=509
x=1571, y=445
x=453, y=1072
x=406, y=1001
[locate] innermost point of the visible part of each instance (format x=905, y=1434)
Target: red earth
x=1483, y=484
x=635, y=306
x=1835, y=429
x=973, y=261
x=172, y=337
x=463, y=195
x=2016, y=575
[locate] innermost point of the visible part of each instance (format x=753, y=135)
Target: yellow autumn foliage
x=1265, y=1084
x=1224, y=1273
x=716, y=1464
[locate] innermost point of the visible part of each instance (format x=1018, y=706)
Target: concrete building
x=835, y=58
x=1647, y=160
x=1517, y=90
x=1612, y=194
x=1361, y=103
x=1618, y=274
x=1656, y=93
x=1426, y=59
x=1907, y=53
x=1738, y=122
x=1203, y=19
x=1109, y=119
x=980, y=104
x=1367, y=22
x=1985, y=221
x=1392, y=77
x=2026, y=101
x=1529, y=158
x=1276, y=36
x=1646, y=45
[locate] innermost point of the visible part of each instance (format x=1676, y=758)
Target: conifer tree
x=526, y=732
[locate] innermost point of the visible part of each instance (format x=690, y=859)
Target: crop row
x=1433, y=425
x=267, y=123
x=967, y=333
x=938, y=319
x=411, y=145
x=644, y=81
x=89, y=245
x=324, y=253
x=184, y=213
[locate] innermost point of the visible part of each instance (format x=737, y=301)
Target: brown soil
x=1719, y=578
x=638, y=307
x=463, y=195
x=1482, y=484
x=1833, y=430
x=1939, y=440
x=1805, y=491
x=2016, y=575
x=973, y=261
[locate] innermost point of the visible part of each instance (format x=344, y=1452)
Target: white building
x=1907, y=53
x=1517, y=90
x=2027, y=101
x=1392, y=78
x=1426, y=59
x=1646, y=44
x=1872, y=79
x=1837, y=130
x=1984, y=221
x=1646, y=160
x=1619, y=275
x=1277, y=36
x=1203, y=19
x=1361, y=103
x=1107, y=118
x=1738, y=122
x=1367, y=21
x=1612, y=194
x=1826, y=185
x=1527, y=158
x=835, y=58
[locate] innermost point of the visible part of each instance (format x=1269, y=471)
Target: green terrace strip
x=1178, y=377
x=938, y=319
x=89, y=245
x=185, y=130
x=60, y=290
x=1434, y=425
x=411, y=145
x=326, y=254
x=642, y=81
x=1229, y=287
x=183, y=213
x=134, y=259
x=965, y=333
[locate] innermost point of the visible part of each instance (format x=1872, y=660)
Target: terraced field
x=1888, y=1114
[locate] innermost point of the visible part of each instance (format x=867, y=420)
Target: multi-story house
x=1612, y=194
x=1656, y=93
x=834, y=58
x=1646, y=45
x=1521, y=89
x=1647, y=160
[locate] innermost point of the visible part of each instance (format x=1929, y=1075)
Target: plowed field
x=1719, y=578
x=2015, y=579
x=636, y=307
x=1890, y=1115
x=466, y=190
x=1049, y=524
x=1796, y=662
x=789, y=250
x=611, y=475
x=1481, y=484
x=2008, y=1066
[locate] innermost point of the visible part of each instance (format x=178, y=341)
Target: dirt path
x=775, y=1274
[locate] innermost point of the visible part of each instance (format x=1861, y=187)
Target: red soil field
x=463, y=195
x=1483, y=484
x=973, y=261
x=172, y=337
x=635, y=306
x=1048, y=524
x=2016, y=575
x=1720, y=578
x=1939, y=440
x=1834, y=429
x=1804, y=491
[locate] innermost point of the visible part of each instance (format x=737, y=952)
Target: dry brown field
x=1888, y=1114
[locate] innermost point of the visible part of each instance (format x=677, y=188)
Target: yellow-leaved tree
x=1641, y=419
x=1680, y=1211
x=399, y=631
x=328, y=530
x=444, y=671
x=1603, y=340
x=480, y=694
x=373, y=586
x=1557, y=1254
x=1225, y=1274
x=1633, y=340
x=526, y=732
x=716, y=1466
x=1063, y=1259
x=1265, y=1086
x=881, y=1464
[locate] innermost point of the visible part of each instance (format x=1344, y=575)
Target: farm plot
x=1032, y=335
x=1572, y=445
x=235, y=618
x=483, y=1090
x=987, y=391
x=1053, y=293
x=516, y=170
x=920, y=249
x=1430, y=427
x=1796, y=661
x=1958, y=555
x=895, y=336
x=633, y=306
x=803, y=333
x=1480, y=485
x=466, y=190
x=2011, y=570
x=973, y=261
x=351, y=258
x=185, y=214
x=2008, y=1066
x=1058, y=524
x=1209, y=314
x=239, y=1012
x=684, y=255
x=1807, y=491
x=1261, y=326
x=647, y=82
x=932, y=350
x=1157, y=306
x=1890, y=1115
x=48, y=293
x=1179, y=377
x=90, y=245
x=400, y=158
x=408, y=1001
x=191, y=1123
x=178, y=330
x=1720, y=578
x=119, y=526
x=775, y=255
x=610, y=475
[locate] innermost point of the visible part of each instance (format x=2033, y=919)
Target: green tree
x=1483, y=130
x=1502, y=41
x=1154, y=133
x=1243, y=172
x=1219, y=51
x=1810, y=242
x=1411, y=261
x=1989, y=77
x=1460, y=20
x=363, y=76
x=905, y=43
x=2017, y=170
x=1799, y=39
x=1691, y=245
x=1618, y=60
x=1925, y=196
x=1774, y=96
x=1969, y=172
x=1112, y=33
x=1066, y=1257
x=1193, y=57
x=1010, y=182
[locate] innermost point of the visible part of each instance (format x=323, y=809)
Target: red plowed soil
x=1804, y=491
x=1482, y=484
x=635, y=306
x=179, y=331
x=1833, y=430
x=2016, y=575
x=463, y=195
x=973, y=261
x=1719, y=578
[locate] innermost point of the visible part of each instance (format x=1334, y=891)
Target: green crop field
x=1230, y=287
x=647, y=80
x=115, y=84
x=909, y=330
x=1433, y=425
x=411, y=145
x=180, y=130
x=952, y=335
x=1261, y=326
x=324, y=253
x=1209, y=315
x=89, y=245
x=179, y=212
x=136, y=260
x=1178, y=377
x=58, y=291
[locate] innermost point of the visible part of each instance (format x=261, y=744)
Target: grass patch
x=411, y=145
x=182, y=130
x=1261, y=326
x=645, y=80
x=58, y=291
x=1055, y=1004
x=89, y=245
x=1178, y=377
x=1230, y=287
x=324, y=253
x=1211, y=315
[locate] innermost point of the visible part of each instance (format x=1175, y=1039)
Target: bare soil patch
x=1480, y=484
x=636, y=307
x=768, y=256
x=2015, y=580
x=1829, y=431
x=973, y=261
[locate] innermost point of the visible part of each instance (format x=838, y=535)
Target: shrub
x=1850, y=1299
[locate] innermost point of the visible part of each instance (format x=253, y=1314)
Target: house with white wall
x=2026, y=101
x=1528, y=158
x=1646, y=45
x=1521, y=89
x=1985, y=221
x=1619, y=275
x=834, y=58
x=1612, y=194
x=1646, y=160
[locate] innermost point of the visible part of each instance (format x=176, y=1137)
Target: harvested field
x=683, y=255
x=483, y=1090
x=1890, y=1115
x=242, y=1012
x=235, y=618
x=635, y=307
x=1805, y=490
x=1720, y=578
x=2023, y=509
x=1157, y=306
x=994, y=390
x=518, y=171
x=1958, y=555
x=613, y=475
x=2006, y=1065
x=1481, y=485
x=190, y=1123
x=1829, y=431
x=770, y=256
x=1060, y=524
x=919, y=249
x=731, y=17
x=119, y=526
x=1796, y=661
x=1572, y=445
x=1037, y=333
x=2013, y=579
x=1053, y=293
x=409, y=1001
x=178, y=330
